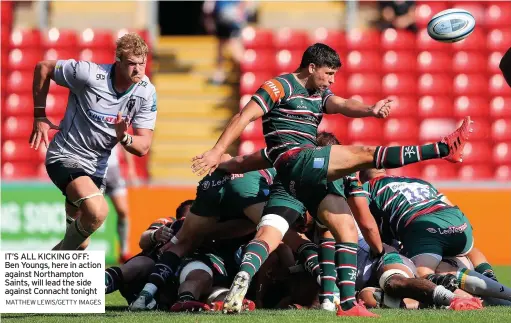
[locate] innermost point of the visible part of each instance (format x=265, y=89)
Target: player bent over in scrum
x=104, y=100
x=292, y=106
x=427, y=224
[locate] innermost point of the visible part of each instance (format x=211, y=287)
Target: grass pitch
x=116, y=312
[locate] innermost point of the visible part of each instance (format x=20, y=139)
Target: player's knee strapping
x=388, y=274
x=275, y=221
x=79, y=202
x=194, y=265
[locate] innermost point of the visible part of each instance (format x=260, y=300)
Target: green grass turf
x=116, y=312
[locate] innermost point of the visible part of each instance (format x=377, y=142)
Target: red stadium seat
x=413, y=170
x=399, y=84
x=500, y=107
x=18, y=105
x=498, y=86
x=6, y=13
x=292, y=39
x=501, y=130
x=25, y=38
x=476, y=152
x=17, y=127
x=473, y=106
x=470, y=84
x=339, y=86
x=362, y=39
x=475, y=172
x=424, y=11
x=498, y=15
x=254, y=130
x=502, y=153
x=397, y=40
x=60, y=38
x=475, y=8
x=493, y=62
x=434, y=62
x=403, y=106
x=19, y=150
x=17, y=171
x=368, y=61
x=250, y=82
x=97, y=56
x=287, y=61
x=365, y=129
x=498, y=39
x=66, y=53
x=255, y=61
x=435, y=107
x=476, y=42
x=364, y=84
x=19, y=82
x=96, y=39
x=469, y=62
x=257, y=38
x=434, y=129
x=399, y=61
x=400, y=129
x=482, y=129
x=56, y=105
x=331, y=37
x=250, y=146
x=434, y=84
x=503, y=173
x=335, y=124
x=425, y=42
x=146, y=36
x=439, y=171
x=23, y=59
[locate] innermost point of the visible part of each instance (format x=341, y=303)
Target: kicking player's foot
x=190, y=306
x=456, y=141
x=358, y=310
x=248, y=305
x=466, y=304
x=144, y=302
x=233, y=302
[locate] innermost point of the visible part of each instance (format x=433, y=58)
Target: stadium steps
x=191, y=112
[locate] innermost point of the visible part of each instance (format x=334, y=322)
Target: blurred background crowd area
x=208, y=58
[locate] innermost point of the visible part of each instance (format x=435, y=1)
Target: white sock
x=150, y=288
x=442, y=296
x=478, y=284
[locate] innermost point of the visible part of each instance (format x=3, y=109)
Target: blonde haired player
x=104, y=100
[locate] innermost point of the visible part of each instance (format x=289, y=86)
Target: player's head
x=131, y=56
x=368, y=174
x=321, y=62
x=183, y=208
x=324, y=138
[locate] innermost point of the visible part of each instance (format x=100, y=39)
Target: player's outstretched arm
x=209, y=160
x=245, y=163
x=366, y=223
x=43, y=72
x=505, y=66
x=356, y=109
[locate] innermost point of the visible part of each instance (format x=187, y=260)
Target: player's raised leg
x=345, y=160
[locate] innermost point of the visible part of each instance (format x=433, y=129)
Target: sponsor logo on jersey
x=450, y=230
x=205, y=185
x=318, y=163
x=431, y=230
x=130, y=105
x=98, y=116
x=274, y=89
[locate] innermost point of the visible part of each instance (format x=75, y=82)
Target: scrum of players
x=430, y=260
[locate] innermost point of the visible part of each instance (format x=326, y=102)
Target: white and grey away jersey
x=87, y=133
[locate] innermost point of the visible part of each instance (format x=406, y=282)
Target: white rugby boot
x=234, y=300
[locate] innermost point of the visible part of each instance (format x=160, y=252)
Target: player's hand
x=382, y=108
x=207, y=162
x=121, y=126
x=163, y=234
x=40, y=132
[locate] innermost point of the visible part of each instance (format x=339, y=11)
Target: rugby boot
x=233, y=302
x=357, y=310
x=190, y=306
x=466, y=304
x=456, y=141
x=144, y=302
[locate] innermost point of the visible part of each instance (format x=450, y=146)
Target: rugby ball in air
x=451, y=25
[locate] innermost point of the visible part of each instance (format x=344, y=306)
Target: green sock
x=398, y=156
x=487, y=270
x=255, y=255
x=327, y=265
x=308, y=255
x=346, y=263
